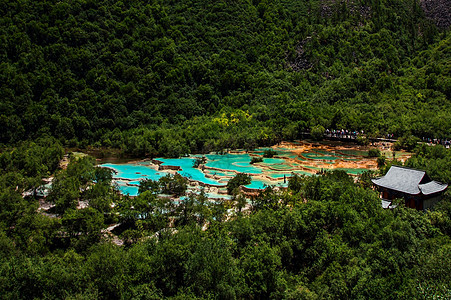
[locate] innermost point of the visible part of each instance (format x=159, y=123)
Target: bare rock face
x=355, y=8
x=300, y=62
x=439, y=11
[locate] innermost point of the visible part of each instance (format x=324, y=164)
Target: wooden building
x=414, y=186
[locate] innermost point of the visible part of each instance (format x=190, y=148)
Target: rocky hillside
x=439, y=11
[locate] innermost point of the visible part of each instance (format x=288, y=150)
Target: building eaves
x=432, y=187
x=401, y=179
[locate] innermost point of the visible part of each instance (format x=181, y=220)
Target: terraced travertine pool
x=292, y=158
x=239, y=163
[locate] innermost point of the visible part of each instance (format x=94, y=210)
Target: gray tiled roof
x=409, y=181
x=401, y=179
x=432, y=187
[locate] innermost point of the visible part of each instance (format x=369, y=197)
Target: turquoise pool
x=229, y=164
x=354, y=152
x=279, y=175
x=134, y=171
x=262, y=184
x=128, y=190
x=257, y=184
x=314, y=155
x=298, y=172
x=218, y=173
x=273, y=160
x=232, y=162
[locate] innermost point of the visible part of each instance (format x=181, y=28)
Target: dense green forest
x=327, y=236
x=172, y=77
x=148, y=78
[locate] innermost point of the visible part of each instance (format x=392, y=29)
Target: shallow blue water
x=224, y=174
x=186, y=163
x=233, y=162
x=129, y=190
x=279, y=175
x=273, y=160
x=197, y=175
x=314, y=155
x=134, y=171
x=329, y=153
x=218, y=196
x=229, y=163
x=299, y=172
x=257, y=184
x=354, y=152
x=141, y=170
x=289, y=155
x=262, y=184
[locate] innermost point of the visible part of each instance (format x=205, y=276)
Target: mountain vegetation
x=173, y=77
x=327, y=236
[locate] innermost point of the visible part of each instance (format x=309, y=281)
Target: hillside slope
x=92, y=72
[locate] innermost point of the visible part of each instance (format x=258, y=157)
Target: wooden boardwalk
x=349, y=137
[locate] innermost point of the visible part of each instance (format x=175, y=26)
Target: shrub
x=374, y=152
x=235, y=182
x=256, y=160
x=381, y=161
x=317, y=132
x=199, y=161
x=269, y=153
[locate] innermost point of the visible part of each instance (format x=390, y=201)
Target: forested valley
x=173, y=77
x=169, y=78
